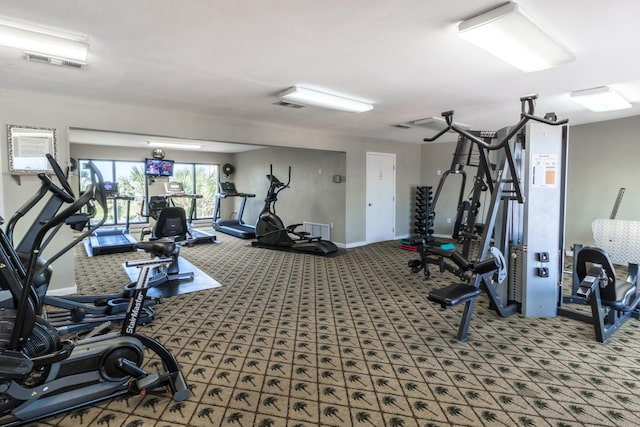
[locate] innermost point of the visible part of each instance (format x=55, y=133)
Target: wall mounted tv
x=157, y=167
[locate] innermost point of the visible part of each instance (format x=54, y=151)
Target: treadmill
x=174, y=189
x=234, y=227
x=113, y=240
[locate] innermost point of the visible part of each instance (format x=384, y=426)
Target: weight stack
x=424, y=215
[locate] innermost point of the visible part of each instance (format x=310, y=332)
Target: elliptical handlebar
x=275, y=185
x=64, y=195
x=59, y=218
x=60, y=175
x=96, y=192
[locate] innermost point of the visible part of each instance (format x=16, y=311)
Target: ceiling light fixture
x=44, y=44
x=178, y=145
x=508, y=33
x=599, y=99
x=304, y=96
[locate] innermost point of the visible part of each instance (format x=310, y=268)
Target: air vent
x=437, y=124
x=29, y=56
x=288, y=104
x=401, y=126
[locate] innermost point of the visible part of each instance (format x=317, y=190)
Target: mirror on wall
x=28, y=147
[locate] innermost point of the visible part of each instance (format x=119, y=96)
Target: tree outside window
x=201, y=179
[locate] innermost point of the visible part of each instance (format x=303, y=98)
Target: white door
x=381, y=197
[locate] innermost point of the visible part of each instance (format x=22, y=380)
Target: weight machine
x=612, y=302
x=522, y=223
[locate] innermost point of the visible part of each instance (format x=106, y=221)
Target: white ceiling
x=231, y=58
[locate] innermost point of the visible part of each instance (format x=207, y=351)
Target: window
x=200, y=179
x=131, y=182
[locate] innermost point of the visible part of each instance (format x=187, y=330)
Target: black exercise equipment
x=170, y=221
x=42, y=374
x=461, y=157
x=112, y=240
x=171, y=224
x=175, y=190
x=459, y=293
x=272, y=233
x=69, y=313
x=234, y=227
x=612, y=302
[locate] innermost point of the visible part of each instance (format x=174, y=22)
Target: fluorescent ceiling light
x=437, y=124
x=37, y=42
x=512, y=36
x=304, y=96
x=601, y=98
x=178, y=145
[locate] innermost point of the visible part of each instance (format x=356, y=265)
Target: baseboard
x=69, y=290
x=404, y=236
x=355, y=244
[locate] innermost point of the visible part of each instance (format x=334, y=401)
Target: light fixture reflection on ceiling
x=599, y=99
x=43, y=44
x=177, y=145
x=508, y=33
x=304, y=96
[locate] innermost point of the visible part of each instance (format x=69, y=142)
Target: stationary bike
x=272, y=233
x=40, y=373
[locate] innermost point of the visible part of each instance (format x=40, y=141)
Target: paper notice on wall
x=32, y=147
x=544, y=170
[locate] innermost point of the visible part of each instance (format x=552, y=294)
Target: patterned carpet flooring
x=298, y=340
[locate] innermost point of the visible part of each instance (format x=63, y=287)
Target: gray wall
x=313, y=195
x=603, y=157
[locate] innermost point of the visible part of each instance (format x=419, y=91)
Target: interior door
x=381, y=197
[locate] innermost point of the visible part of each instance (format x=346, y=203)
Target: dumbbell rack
x=424, y=215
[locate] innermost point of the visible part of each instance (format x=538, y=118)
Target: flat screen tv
x=157, y=167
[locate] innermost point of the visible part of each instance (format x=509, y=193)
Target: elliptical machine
x=73, y=313
x=272, y=233
x=41, y=374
